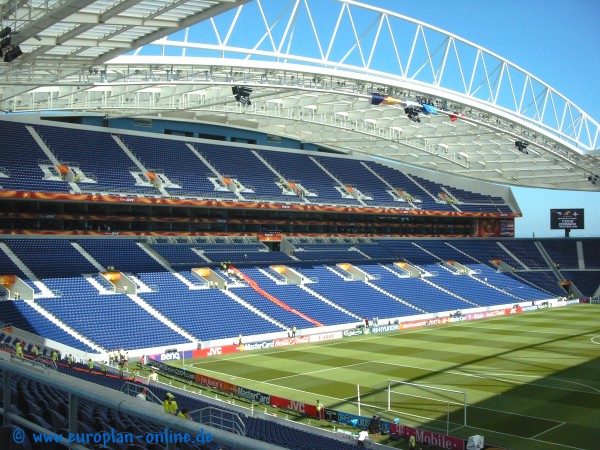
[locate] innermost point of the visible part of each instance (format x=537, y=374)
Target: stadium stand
x=78, y=307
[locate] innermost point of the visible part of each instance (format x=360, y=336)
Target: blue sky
x=556, y=40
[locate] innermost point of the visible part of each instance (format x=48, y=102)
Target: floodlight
x=12, y=54
x=242, y=94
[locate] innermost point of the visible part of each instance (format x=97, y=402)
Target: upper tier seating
x=20, y=156
x=177, y=161
x=243, y=165
x=98, y=155
x=591, y=253
x=108, y=168
x=527, y=253
x=353, y=173
x=562, y=252
x=300, y=168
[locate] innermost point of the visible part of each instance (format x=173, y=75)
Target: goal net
x=439, y=408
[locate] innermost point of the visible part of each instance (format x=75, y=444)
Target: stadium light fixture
x=242, y=94
x=412, y=114
x=4, y=40
x=12, y=54
x=522, y=147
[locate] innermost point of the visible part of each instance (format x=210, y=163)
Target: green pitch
x=532, y=380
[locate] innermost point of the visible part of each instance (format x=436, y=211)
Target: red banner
x=428, y=437
x=294, y=405
x=286, y=342
x=495, y=313
x=219, y=385
x=275, y=300
x=214, y=351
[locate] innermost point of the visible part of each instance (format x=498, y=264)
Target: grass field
x=532, y=380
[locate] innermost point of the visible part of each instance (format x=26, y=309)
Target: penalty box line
x=268, y=382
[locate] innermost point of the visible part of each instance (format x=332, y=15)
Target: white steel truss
x=312, y=65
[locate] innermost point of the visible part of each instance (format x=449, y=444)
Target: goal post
x=428, y=403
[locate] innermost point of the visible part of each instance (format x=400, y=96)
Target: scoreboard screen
x=566, y=219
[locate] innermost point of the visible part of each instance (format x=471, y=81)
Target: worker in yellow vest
x=169, y=404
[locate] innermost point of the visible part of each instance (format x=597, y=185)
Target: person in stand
x=169, y=404
x=374, y=426
x=103, y=368
x=362, y=437
x=54, y=356
x=70, y=361
x=19, y=349
x=294, y=331
x=240, y=337
x=184, y=414
x=142, y=394
x=90, y=365
x=36, y=351
x=320, y=410
x=412, y=442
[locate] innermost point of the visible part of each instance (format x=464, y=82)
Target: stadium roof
x=311, y=77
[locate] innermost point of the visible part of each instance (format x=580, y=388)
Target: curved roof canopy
x=312, y=67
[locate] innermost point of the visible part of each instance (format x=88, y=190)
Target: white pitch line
x=317, y=371
x=266, y=352
x=515, y=414
x=526, y=331
x=529, y=439
x=486, y=377
x=346, y=400
x=483, y=323
x=312, y=394
x=544, y=432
